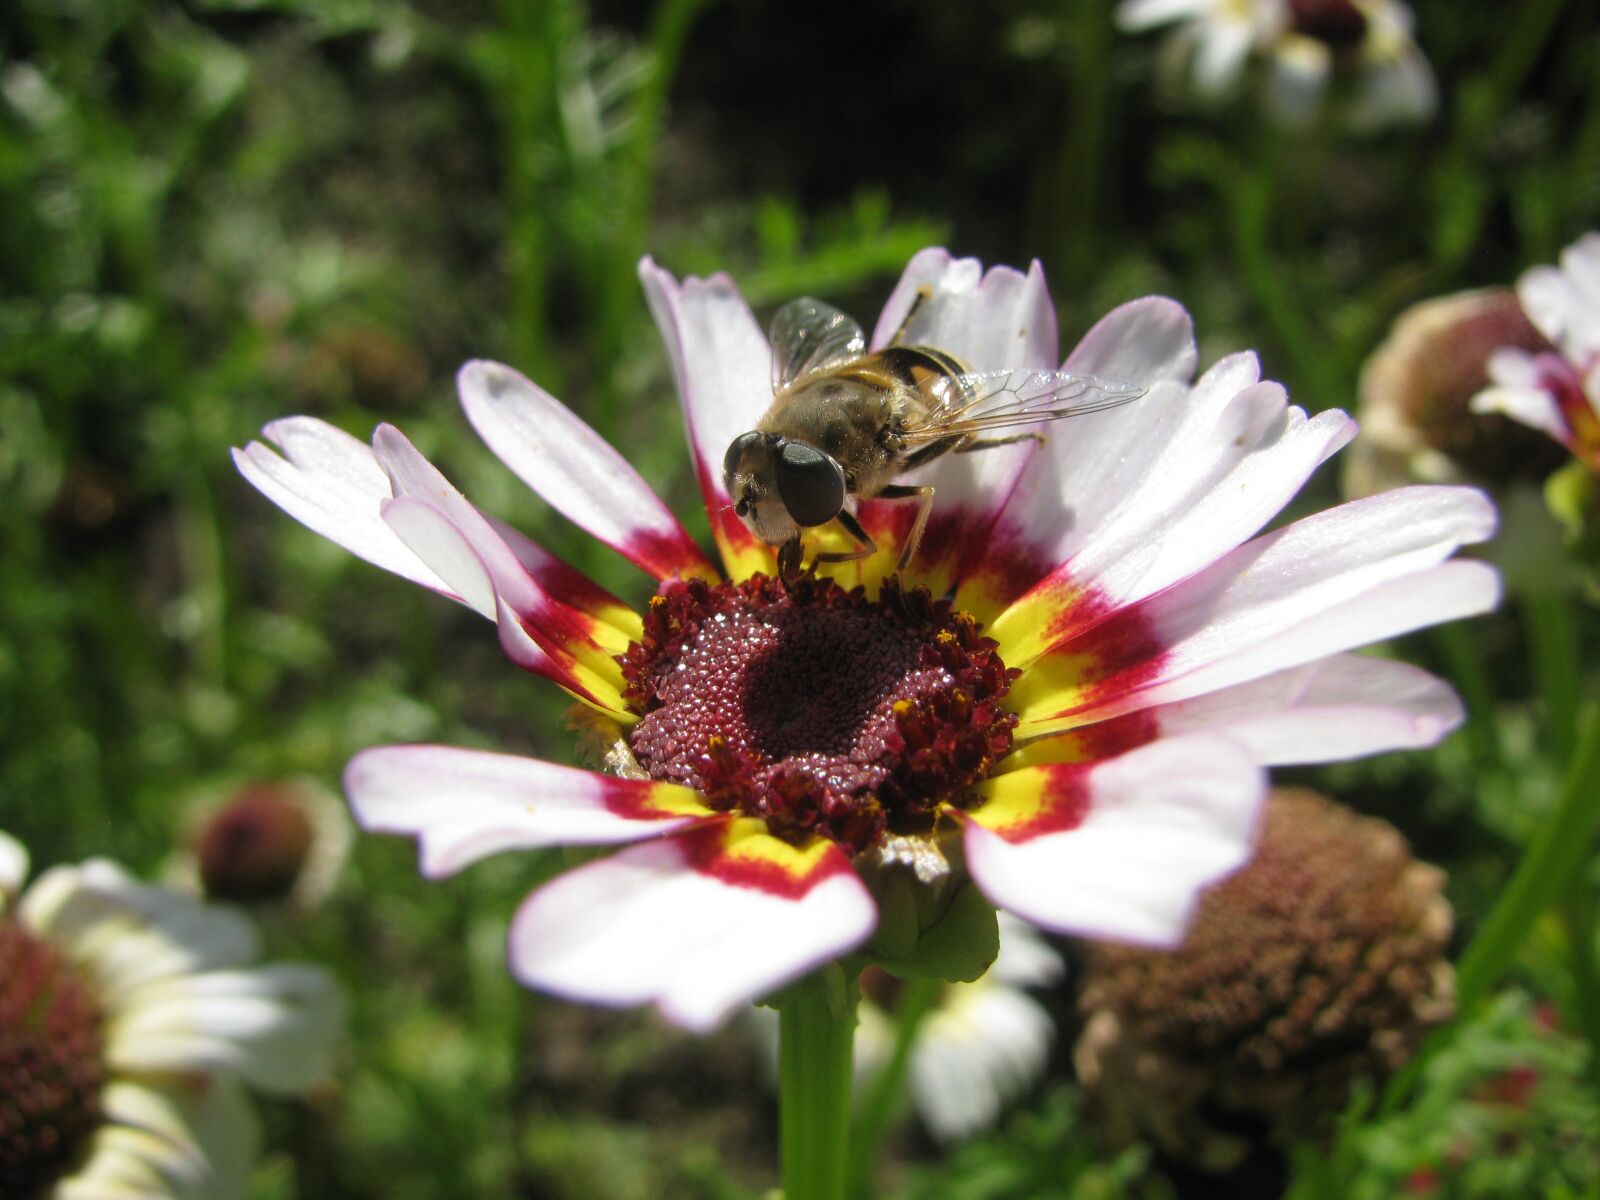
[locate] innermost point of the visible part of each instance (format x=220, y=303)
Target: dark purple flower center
x=255, y=847
x=816, y=709
x=51, y=1068
x=1338, y=23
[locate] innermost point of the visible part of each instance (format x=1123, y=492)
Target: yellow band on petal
x=744, y=854
x=1034, y=801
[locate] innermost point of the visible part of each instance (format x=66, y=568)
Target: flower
x=1417, y=423
x=129, y=1019
x=1556, y=391
x=1067, y=699
x=265, y=842
x=1320, y=963
x=1307, y=42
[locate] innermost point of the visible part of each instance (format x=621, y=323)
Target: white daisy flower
x=130, y=1022
x=1307, y=44
x=1065, y=700
x=1556, y=392
x=267, y=842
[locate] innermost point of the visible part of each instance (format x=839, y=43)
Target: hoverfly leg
x=924, y=494
x=853, y=527
x=917, y=302
x=991, y=443
x=789, y=560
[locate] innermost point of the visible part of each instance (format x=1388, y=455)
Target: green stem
x=1248, y=194
x=1519, y=51
x=1074, y=234
x=1549, y=869
x=1579, y=911
x=1552, y=635
x=524, y=86
x=815, y=1036
x=883, y=1095
x=1471, y=678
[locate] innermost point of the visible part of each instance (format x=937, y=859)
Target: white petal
x=991, y=320
x=13, y=868
x=1195, y=507
x=1224, y=45
x=331, y=483
x=574, y=469
x=1357, y=573
x=723, y=367
x=415, y=478
x=273, y=1026
x=1532, y=406
x=1143, y=341
x=129, y=934
x=436, y=541
x=671, y=923
x=1096, y=467
x=1564, y=302
x=1134, y=15
x=191, y=1139
x=1337, y=708
x=1160, y=823
x=974, y=1053
x=464, y=805
x=1025, y=958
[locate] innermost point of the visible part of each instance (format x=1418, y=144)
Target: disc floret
x=52, y=1068
x=819, y=710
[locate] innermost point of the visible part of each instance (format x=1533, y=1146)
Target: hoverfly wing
x=808, y=335
x=975, y=403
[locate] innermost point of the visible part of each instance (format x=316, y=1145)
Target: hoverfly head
x=750, y=475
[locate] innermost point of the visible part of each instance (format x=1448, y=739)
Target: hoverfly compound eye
x=738, y=448
x=810, y=484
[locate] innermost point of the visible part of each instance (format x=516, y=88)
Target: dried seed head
x=1320, y=962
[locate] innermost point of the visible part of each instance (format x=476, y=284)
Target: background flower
x=1556, y=392
x=130, y=1022
x=1307, y=43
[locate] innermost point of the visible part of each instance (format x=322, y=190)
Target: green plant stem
x=525, y=87
x=814, y=1068
x=1074, y=235
x=1552, y=636
x=1520, y=50
x=1579, y=912
x=1248, y=190
x=1467, y=671
x=1549, y=869
x=883, y=1094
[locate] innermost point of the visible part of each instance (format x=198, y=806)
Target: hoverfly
x=845, y=424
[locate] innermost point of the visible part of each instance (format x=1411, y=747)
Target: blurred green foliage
x=218, y=212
